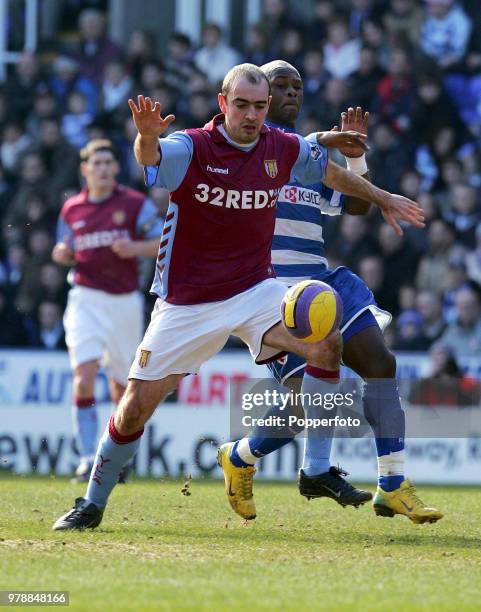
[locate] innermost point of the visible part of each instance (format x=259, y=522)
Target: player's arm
x=354, y=124
x=63, y=253
x=165, y=160
x=313, y=165
x=149, y=225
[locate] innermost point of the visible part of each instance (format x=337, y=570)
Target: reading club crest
x=271, y=167
x=144, y=357
x=118, y=217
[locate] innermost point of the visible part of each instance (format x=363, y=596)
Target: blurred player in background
x=214, y=276
x=298, y=254
x=101, y=232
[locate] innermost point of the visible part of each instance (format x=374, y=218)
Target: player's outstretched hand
x=63, y=254
x=147, y=117
x=125, y=248
x=357, y=121
x=342, y=140
x=398, y=208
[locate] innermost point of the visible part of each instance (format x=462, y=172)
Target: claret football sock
x=318, y=440
x=85, y=424
x=113, y=452
x=383, y=411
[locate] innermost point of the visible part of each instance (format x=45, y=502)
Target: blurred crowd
x=415, y=65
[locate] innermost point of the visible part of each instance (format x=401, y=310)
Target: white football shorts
x=105, y=327
x=180, y=338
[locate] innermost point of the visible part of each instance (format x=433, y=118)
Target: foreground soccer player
x=101, y=232
x=299, y=254
x=214, y=276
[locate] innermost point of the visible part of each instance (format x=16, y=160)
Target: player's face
x=287, y=96
x=100, y=171
x=245, y=108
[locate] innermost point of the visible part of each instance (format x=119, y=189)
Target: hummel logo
x=231, y=494
x=408, y=508
x=217, y=170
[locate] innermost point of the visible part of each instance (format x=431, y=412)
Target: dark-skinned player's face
x=287, y=96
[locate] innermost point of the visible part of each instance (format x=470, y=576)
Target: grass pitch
x=160, y=550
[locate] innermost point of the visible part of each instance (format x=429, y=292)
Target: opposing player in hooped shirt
x=101, y=233
x=214, y=276
x=298, y=254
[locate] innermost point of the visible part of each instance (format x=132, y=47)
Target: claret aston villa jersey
x=92, y=227
x=217, y=236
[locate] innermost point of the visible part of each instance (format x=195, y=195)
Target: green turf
x=159, y=550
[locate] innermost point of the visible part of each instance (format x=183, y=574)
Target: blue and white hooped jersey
x=298, y=251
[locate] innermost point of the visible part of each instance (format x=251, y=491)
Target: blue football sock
x=318, y=441
x=264, y=440
x=113, y=452
x=85, y=424
x=383, y=411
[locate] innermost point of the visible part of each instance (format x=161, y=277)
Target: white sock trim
x=244, y=452
x=391, y=465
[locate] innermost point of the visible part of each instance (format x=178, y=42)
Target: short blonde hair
x=249, y=71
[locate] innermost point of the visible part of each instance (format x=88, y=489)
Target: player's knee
x=129, y=413
x=83, y=384
x=327, y=354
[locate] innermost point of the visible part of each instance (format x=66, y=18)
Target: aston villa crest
x=271, y=167
x=144, y=357
x=118, y=217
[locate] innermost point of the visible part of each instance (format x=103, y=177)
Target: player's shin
x=384, y=413
x=318, y=441
x=113, y=452
x=85, y=424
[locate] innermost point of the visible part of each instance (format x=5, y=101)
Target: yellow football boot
x=404, y=501
x=238, y=483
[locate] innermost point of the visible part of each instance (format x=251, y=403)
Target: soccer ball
x=311, y=310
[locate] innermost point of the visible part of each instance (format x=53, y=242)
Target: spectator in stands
x=95, y=49
x=445, y=32
x=215, y=57
x=179, y=62
x=140, y=51
x=388, y=158
x=291, y=46
x=364, y=81
x=473, y=259
x=336, y=98
x=454, y=281
x=12, y=329
x=117, y=87
x=464, y=334
x=276, y=18
x=361, y=10
x=11, y=271
x=315, y=78
x=393, y=250
x=44, y=107
x=341, y=52
x=66, y=79
x=76, y=120
x=410, y=332
x=49, y=332
x=441, y=249
x=403, y=21
x=446, y=385
x=373, y=272
x=22, y=86
x=465, y=214
x=257, y=47
x=152, y=76
x=61, y=158
x=14, y=142
x=353, y=241
x=33, y=178
x=396, y=92
x=373, y=36
x=430, y=307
